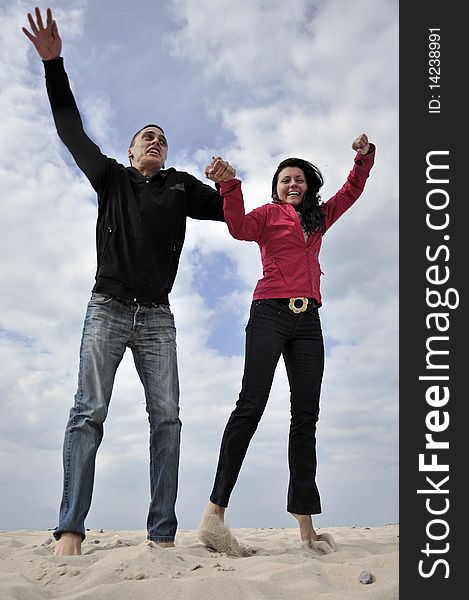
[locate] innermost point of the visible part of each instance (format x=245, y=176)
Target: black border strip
x=433, y=250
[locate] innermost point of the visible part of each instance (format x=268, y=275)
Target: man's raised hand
x=46, y=39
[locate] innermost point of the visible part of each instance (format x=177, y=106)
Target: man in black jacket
x=140, y=230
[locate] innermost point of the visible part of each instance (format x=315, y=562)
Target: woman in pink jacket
x=284, y=320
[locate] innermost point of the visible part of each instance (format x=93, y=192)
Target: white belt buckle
x=298, y=309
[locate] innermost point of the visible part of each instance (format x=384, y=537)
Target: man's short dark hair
x=132, y=141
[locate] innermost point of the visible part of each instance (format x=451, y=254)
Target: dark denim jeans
x=274, y=330
x=110, y=327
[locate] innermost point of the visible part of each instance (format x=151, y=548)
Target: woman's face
x=291, y=185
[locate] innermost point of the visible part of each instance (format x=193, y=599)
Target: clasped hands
x=219, y=170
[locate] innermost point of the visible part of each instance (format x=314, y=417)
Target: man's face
x=149, y=151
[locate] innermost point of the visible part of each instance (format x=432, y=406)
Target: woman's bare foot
x=69, y=544
x=307, y=532
x=214, y=534
x=214, y=509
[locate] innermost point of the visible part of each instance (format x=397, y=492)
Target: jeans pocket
x=258, y=308
x=270, y=307
x=265, y=310
x=316, y=319
x=98, y=298
x=166, y=309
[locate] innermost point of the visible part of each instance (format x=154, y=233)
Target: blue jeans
x=110, y=326
x=273, y=330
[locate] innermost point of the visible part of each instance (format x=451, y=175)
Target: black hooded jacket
x=141, y=221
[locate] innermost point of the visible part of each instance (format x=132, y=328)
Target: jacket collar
x=137, y=177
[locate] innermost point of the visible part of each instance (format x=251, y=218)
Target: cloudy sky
x=255, y=82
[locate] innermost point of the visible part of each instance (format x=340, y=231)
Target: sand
x=123, y=565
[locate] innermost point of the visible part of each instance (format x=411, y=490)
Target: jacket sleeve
x=352, y=188
x=204, y=202
x=242, y=226
x=68, y=123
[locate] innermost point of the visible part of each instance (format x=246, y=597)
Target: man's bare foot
x=165, y=544
x=307, y=532
x=69, y=544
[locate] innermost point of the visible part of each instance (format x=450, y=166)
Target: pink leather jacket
x=290, y=264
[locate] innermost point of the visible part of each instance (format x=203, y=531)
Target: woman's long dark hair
x=313, y=217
